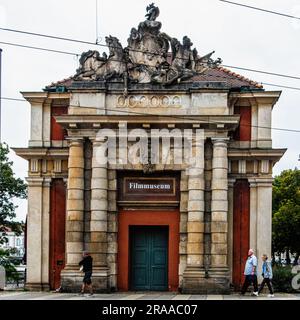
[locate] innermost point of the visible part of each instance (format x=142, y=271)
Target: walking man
x=87, y=267
x=267, y=274
x=250, y=273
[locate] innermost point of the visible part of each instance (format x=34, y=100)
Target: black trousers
x=269, y=284
x=248, y=280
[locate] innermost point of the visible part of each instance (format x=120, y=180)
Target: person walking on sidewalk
x=87, y=267
x=250, y=273
x=267, y=274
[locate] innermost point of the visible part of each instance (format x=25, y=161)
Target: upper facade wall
x=206, y=103
x=254, y=109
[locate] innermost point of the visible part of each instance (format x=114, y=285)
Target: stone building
x=14, y=241
x=149, y=225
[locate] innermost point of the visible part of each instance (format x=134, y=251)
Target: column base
x=220, y=279
x=32, y=286
x=71, y=280
x=192, y=279
x=196, y=281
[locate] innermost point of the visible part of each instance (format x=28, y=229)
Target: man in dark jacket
x=87, y=267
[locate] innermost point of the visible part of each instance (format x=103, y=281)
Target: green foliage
x=10, y=188
x=286, y=187
x=286, y=212
x=5, y=261
x=286, y=228
x=282, y=278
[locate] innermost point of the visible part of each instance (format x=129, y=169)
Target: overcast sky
x=240, y=36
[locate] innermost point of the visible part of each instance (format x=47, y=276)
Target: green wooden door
x=149, y=258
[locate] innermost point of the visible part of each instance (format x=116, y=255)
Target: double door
x=149, y=257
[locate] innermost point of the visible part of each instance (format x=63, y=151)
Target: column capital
x=231, y=182
x=65, y=180
x=35, y=181
x=97, y=141
x=252, y=182
x=47, y=182
x=268, y=182
x=75, y=141
x=220, y=141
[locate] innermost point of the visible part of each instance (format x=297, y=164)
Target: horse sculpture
x=115, y=65
x=94, y=67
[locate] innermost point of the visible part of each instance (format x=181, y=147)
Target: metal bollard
x=2, y=278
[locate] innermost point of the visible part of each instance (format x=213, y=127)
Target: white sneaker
x=271, y=295
x=255, y=294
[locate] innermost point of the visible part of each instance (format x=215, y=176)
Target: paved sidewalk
x=25, y=295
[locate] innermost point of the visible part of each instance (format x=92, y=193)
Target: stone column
x=194, y=271
x=98, y=222
x=71, y=277
x=34, y=234
x=219, y=216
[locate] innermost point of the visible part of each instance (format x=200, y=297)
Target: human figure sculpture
x=152, y=12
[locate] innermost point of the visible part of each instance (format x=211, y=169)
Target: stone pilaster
x=46, y=233
x=99, y=218
x=112, y=230
x=264, y=117
x=37, y=240
x=71, y=277
x=230, y=224
x=264, y=219
x=218, y=271
x=47, y=124
x=253, y=214
x=194, y=272
x=36, y=129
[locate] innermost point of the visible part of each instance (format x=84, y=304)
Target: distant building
x=14, y=241
x=183, y=219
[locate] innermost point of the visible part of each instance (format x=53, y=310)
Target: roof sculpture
x=151, y=56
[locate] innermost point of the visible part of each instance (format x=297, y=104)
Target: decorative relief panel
x=149, y=101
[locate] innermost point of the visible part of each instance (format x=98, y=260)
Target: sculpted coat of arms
x=151, y=56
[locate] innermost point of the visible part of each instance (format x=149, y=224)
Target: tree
x=10, y=188
x=286, y=213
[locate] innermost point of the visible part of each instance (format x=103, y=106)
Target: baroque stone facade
x=145, y=86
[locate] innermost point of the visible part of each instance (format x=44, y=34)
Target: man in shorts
x=87, y=267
